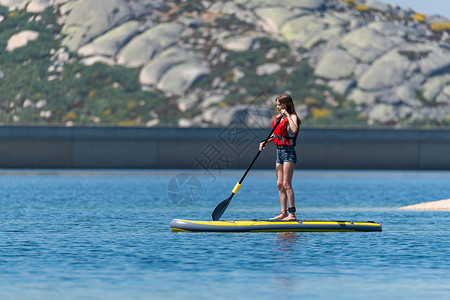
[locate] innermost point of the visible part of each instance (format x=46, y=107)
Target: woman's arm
x=292, y=119
x=262, y=146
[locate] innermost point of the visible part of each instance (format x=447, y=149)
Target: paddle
x=220, y=209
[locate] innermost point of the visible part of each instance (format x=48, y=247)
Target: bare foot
x=291, y=217
x=281, y=216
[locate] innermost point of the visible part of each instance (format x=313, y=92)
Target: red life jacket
x=281, y=135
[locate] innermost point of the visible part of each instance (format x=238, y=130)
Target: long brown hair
x=287, y=100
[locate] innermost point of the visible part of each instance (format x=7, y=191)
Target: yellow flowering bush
x=319, y=113
x=447, y=118
x=419, y=17
x=361, y=8
x=310, y=100
x=127, y=123
x=92, y=94
x=131, y=105
x=440, y=26
x=69, y=116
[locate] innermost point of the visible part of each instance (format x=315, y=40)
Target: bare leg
x=281, y=192
x=288, y=172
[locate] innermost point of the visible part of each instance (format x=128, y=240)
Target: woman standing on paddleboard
x=285, y=138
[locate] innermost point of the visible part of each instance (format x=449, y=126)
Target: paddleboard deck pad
x=272, y=226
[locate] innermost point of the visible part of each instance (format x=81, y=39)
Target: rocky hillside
x=209, y=63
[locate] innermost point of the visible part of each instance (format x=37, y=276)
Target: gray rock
x=187, y=102
x=154, y=70
x=209, y=115
x=362, y=98
x=110, y=43
x=273, y=18
x=307, y=4
x=387, y=72
x=239, y=43
x=336, y=19
x=437, y=60
x=434, y=86
x=336, y=64
x=15, y=4
x=88, y=61
x=376, y=5
x=143, y=47
x=341, y=86
x=2, y=75
x=267, y=69
x=436, y=19
x=212, y=100
x=407, y=94
x=185, y=123
x=239, y=115
x=21, y=39
x=386, y=113
x=445, y=90
x=442, y=98
x=179, y=78
x=366, y=44
x=433, y=113
x=360, y=69
x=394, y=30
x=88, y=19
x=303, y=29
x=38, y=6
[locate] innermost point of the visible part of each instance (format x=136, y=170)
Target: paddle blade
x=220, y=209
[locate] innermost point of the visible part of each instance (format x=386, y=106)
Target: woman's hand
x=262, y=146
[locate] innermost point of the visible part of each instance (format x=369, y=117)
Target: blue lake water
x=106, y=235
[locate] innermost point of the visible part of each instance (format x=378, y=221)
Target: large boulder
x=366, y=44
x=152, y=72
x=335, y=64
x=239, y=43
x=21, y=39
x=143, y=47
x=88, y=19
x=435, y=60
x=388, y=113
x=387, y=72
x=110, y=43
x=377, y=5
x=394, y=30
x=360, y=97
x=178, y=79
x=273, y=18
x=14, y=4
x=434, y=86
x=239, y=115
x=307, y=4
x=37, y=6
x=302, y=29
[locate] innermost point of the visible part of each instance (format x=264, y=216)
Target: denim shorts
x=286, y=154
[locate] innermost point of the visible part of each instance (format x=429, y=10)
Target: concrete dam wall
x=213, y=149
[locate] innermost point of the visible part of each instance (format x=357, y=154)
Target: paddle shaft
x=220, y=209
x=259, y=152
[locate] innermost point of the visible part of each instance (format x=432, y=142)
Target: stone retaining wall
x=215, y=149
